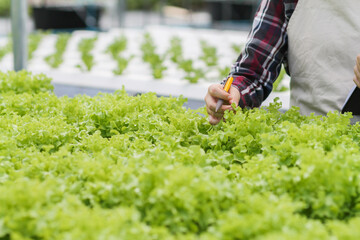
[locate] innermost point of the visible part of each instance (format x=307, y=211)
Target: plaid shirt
x=259, y=64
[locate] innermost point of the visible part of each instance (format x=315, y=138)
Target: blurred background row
x=171, y=47
x=106, y=14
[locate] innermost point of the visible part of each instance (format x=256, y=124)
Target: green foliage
x=176, y=55
x=237, y=48
x=224, y=72
x=115, y=166
x=24, y=82
x=150, y=56
x=115, y=49
x=5, y=7
x=56, y=59
x=277, y=87
x=209, y=54
x=175, y=51
x=148, y=48
x=34, y=40
x=155, y=4
x=192, y=74
x=6, y=49
x=85, y=47
x=121, y=64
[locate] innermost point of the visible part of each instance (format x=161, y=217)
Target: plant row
x=116, y=166
x=191, y=69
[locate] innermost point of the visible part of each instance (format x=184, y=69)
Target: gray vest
x=324, y=40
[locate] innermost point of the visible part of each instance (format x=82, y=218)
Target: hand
x=357, y=71
x=215, y=92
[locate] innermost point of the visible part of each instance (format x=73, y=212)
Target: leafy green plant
x=155, y=4
x=6, y=49
x=237, y=48
x=175, y=51
x=224, y=72
x=192, y=74
x=122, y=64
x=24, y=82
x=147, y=47
x=209, y=54
x=277, y=86
x=85, y=47
x=116, y=166
x=117, y=47
x=158, y=70
x=5, y=7
x=56, y=59
x=176, y=55
x=155, y=60
x=34, y=40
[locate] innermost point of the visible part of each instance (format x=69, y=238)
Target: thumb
x=234, y=96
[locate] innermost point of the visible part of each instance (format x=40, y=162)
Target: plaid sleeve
x=259, y=64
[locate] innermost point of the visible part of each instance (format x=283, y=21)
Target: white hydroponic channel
x=138, y=76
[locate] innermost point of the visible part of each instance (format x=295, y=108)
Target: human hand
x=215, y=92
x=357, y=71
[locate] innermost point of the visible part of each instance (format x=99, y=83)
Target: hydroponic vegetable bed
x=165, y=60
x=121, y=167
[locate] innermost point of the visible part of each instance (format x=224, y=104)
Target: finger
x=210, y=102
x=215, y=114
x=214, y=120
x=234, y=96
x=357, y=82
x=358, y=61
x=357, y=73
x=217, y=91
x=232, y=100
x=211, y=106
x=225, y=107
